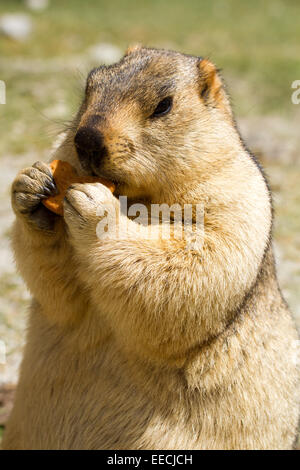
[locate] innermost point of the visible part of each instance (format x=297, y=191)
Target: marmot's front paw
x=85, y=205
x=31, y=186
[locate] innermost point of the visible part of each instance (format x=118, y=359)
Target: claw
x=53, y=188
x=47, y=191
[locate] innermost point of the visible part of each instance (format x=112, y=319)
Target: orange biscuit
x=64, y=175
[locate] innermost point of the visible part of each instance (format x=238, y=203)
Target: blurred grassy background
x=256, y=44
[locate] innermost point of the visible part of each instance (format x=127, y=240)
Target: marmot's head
x=153, y=120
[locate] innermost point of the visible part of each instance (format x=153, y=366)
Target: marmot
x=140, y=343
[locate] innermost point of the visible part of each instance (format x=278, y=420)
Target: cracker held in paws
x=64, y=175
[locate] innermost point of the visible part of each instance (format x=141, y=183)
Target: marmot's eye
x=163, y=107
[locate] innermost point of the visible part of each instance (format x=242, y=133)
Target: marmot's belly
x=90, y=401
x=79, y=406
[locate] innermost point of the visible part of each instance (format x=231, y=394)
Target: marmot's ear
x=133, y=48
x=211, y=86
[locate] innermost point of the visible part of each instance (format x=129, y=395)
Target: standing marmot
x=138, y=342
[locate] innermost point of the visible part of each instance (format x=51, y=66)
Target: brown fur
x=138, y=343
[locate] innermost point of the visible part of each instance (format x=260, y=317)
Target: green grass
x=255, y=43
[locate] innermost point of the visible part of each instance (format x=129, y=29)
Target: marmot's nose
x=90, y=147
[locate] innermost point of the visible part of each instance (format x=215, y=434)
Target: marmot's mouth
x=105, y=176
